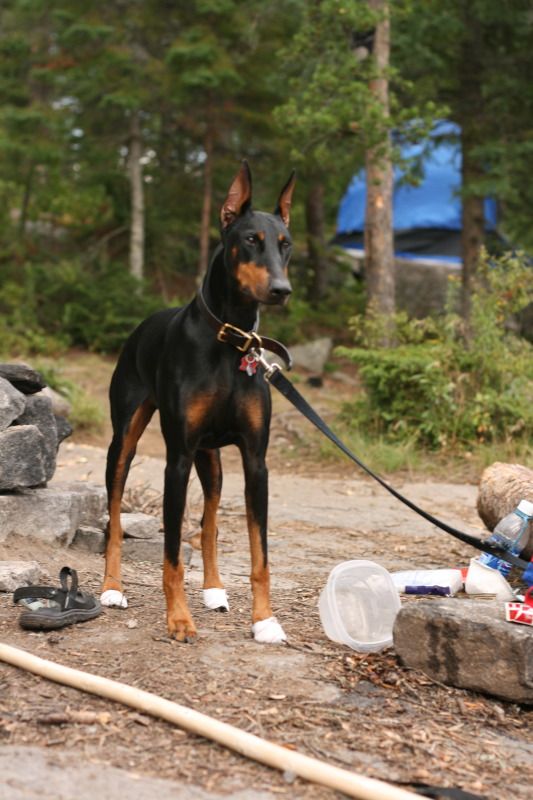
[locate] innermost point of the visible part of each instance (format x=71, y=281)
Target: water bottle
x=511, y=534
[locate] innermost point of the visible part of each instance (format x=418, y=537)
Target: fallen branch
x=246, y=744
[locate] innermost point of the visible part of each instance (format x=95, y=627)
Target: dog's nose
x=280, y=289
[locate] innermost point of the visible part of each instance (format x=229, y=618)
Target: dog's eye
x=251, y=239
x=285, y=243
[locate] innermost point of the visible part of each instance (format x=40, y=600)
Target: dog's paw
x=268, y=631
x=112, y=598
x=182, y=632
x=216, y=599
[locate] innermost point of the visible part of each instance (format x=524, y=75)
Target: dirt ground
x=363, y=712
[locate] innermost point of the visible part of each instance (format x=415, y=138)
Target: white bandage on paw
x=216, y=598
x=112, y=598
x=268, y=631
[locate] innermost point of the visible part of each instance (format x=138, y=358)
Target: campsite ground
x=363, y=712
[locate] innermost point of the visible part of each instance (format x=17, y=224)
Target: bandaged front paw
x=215, y=599
x=112, y=598
x=268, y=631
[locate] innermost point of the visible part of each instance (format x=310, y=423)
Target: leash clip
x=270, y=369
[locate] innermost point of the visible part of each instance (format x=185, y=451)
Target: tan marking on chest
x=252, y=410
x=252, y=277
x=198, y=409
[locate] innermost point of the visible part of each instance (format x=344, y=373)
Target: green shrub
x=59, y=304
x=444, y=387
x=86, y=413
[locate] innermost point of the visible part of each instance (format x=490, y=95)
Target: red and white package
x=521, y=612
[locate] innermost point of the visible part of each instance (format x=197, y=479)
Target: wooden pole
x=248, y=745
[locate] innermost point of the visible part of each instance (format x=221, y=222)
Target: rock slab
x=52, y=514
x=468, y=644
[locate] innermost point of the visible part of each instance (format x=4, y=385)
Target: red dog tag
x=249, y=364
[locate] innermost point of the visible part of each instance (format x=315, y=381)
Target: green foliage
x=86, y=413
x=442, y=389
x=72, y=304
x=301, y=320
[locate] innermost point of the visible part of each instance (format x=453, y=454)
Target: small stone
x=312, y=355
x=140, y=526
x=19, y=573
x=152, y=550
x=132, y=623
x=92, y=540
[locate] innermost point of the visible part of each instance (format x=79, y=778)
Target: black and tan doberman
x=196, y=365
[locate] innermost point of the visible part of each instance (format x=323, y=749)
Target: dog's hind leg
x=209, y=469
x=130, y=418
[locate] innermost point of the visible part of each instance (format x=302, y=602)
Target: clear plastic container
x=358, y=606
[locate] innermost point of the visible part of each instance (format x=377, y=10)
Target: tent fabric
x=434, y=204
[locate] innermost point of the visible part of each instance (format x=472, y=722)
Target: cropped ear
x=239, y=196
x=283, y=208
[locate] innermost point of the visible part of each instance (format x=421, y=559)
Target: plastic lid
x=359, y=605
x=526, y=507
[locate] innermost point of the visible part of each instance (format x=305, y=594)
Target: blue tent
x=427, y=217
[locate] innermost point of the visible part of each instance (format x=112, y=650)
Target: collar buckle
x=251, y=339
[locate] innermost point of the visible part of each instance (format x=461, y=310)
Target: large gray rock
x=23, y=377
x=313, y=355
x=467, y=643
x=60, y=405
x=22, y=457
x=52, y=773
x=19, y=573
x=12, y=404
x=39, y=412
x=53, y=514
x=64, y=429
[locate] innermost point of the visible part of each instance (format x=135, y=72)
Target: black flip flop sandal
x=48, y=608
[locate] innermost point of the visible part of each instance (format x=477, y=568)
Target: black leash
x=274, y=376
x=251, y=342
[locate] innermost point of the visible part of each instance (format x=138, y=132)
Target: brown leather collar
x=241, y=340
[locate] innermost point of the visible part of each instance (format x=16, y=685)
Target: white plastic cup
x=482, y=579
x=358, y=606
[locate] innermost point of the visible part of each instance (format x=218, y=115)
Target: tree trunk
x=471, y=113
x=205, y=223
x=501, y=488
x=316, y=246
x=24, y=206
x=137, y=198
x=473, y=231
x=379, y=240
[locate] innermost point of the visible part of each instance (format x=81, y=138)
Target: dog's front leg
x=265, y=626
x=179, y=620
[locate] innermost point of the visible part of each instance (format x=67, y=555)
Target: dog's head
x=257, y=245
